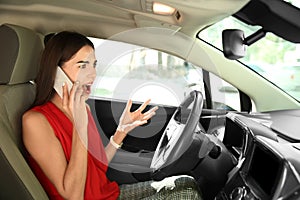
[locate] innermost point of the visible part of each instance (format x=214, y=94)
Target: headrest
x=20, y=51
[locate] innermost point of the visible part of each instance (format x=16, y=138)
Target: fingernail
x=63, y=84
x=77, y=82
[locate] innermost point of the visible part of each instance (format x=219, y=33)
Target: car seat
x=20, y=51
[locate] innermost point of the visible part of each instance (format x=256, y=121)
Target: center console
x=263, y=171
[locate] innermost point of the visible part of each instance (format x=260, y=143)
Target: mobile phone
x=61, y=78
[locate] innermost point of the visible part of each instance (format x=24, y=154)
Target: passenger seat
x=20, y=51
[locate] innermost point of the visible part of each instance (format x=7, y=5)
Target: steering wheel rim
x=177, y=136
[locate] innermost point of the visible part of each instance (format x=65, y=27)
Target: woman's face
x=82, y=67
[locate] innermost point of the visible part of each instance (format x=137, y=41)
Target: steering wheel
x=178, y=134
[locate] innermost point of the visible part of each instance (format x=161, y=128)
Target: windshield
x=272, y=57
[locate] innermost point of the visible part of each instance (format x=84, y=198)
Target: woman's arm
x=42, y=144
x=110, y=149
x=40, y=141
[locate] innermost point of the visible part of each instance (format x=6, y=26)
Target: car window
x=281, y=66
x=129, y=71
x=224, y=95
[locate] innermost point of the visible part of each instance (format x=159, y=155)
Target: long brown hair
x=58, y=50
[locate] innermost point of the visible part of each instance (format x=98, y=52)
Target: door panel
x=144, y=138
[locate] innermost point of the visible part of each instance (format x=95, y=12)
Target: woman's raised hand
x=129, y=120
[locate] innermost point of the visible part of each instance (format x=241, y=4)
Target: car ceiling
x=104, y=18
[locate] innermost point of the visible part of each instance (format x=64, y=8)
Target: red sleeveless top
x=97, y=185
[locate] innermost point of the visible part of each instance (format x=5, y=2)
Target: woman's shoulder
x=36, y=126
x=35, y=115
x=32, y=116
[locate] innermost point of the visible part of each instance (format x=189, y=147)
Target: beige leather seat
x=20, y=51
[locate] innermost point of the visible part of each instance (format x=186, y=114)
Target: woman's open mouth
x=87, y=88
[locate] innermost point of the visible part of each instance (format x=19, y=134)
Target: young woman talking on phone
x=60, y=135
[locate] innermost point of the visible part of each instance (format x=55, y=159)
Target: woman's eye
x=95, y=65
x=83, y=66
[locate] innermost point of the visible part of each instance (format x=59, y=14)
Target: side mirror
x=233, y=44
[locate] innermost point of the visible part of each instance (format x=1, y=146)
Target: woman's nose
x=93, y=73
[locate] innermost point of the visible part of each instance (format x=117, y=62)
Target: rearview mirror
x=233, y=44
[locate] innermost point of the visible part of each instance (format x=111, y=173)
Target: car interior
x=257, y=155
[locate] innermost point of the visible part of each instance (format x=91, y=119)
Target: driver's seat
x=20, y=51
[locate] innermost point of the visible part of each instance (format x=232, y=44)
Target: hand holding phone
x=60, y=79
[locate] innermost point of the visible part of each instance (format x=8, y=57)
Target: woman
x=60, y=135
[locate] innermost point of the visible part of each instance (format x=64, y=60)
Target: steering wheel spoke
x=178, y=134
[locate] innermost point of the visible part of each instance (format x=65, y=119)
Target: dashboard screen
x=234, y=134
x=234, y=138
x=264, y=169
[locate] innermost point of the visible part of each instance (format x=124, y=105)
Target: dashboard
x=267, y=167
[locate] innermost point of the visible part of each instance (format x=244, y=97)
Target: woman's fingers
x=139, y=123
x=75, y=97
x=144, y=105
x=148, y=116
x=65, y=97
x=151, y=110
x=130, y=127
x=74, y=89
x=78, y=93
x=128, y=105
x=140, y=109
x=150, y=113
